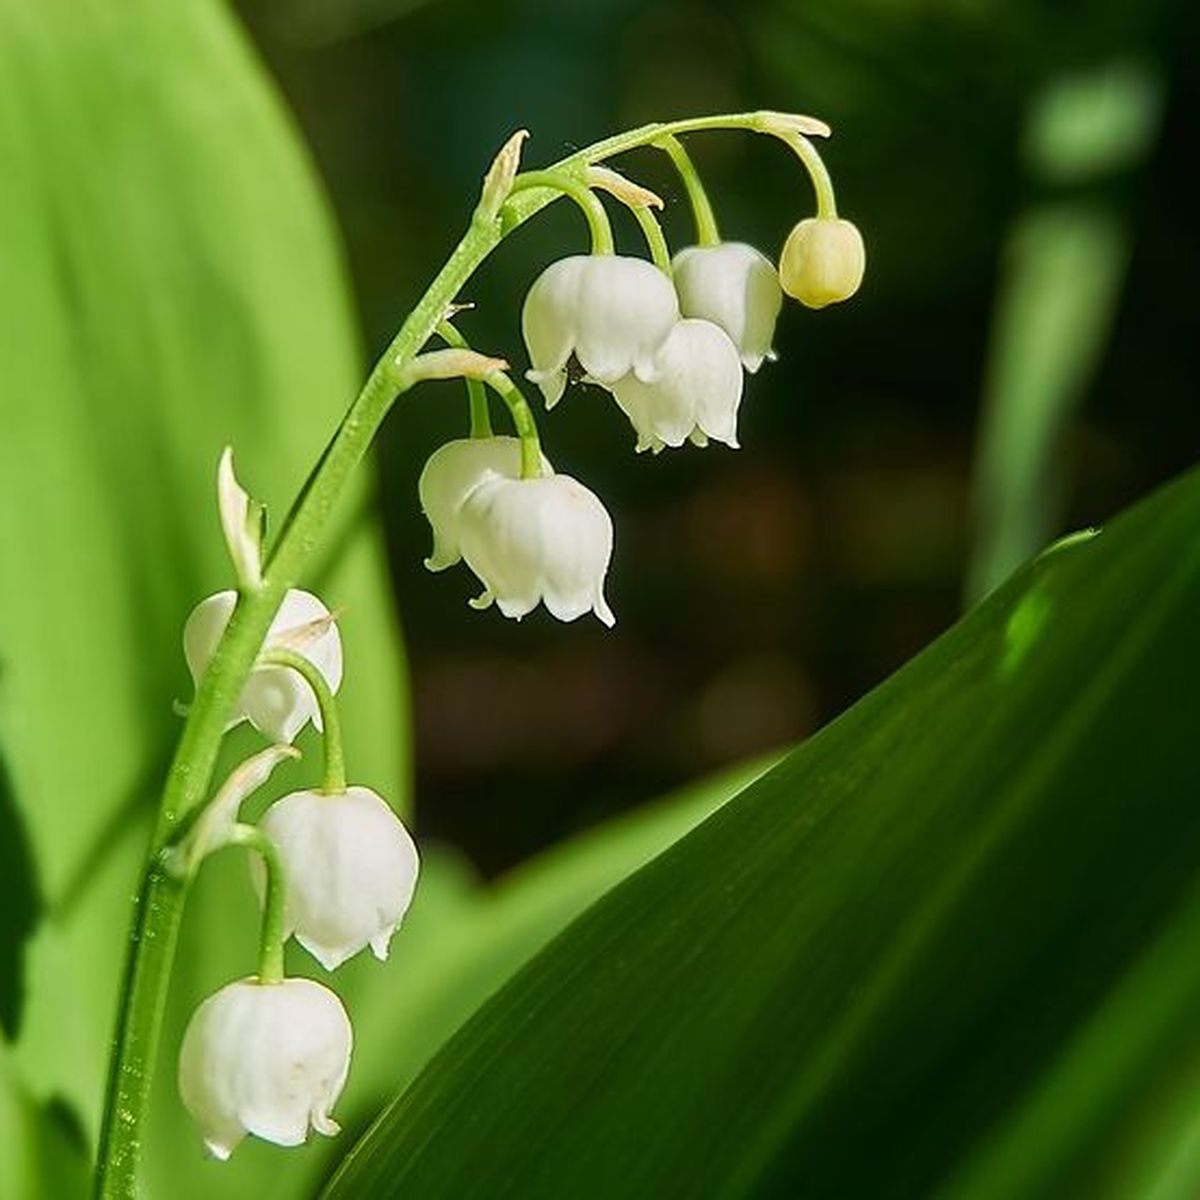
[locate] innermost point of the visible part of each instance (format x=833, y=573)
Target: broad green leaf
x=169, y=285
x=459, y=943
x=483, y=936
x=951, y=938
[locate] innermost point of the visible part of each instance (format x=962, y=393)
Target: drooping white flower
x=736, y=287
x=275, y=700
x=696, y=393
x=450, y=474
x=531, y=540
x=823, y=261
x=269, y=1059
x=610, y=312
x=351, y=868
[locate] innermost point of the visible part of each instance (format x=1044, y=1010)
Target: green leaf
x=20, y=909
x=170, y=284
x=951, y=938
x=1063, y=274
x=474, y=940
x=40, y=1158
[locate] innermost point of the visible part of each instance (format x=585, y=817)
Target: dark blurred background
x=1017, y=365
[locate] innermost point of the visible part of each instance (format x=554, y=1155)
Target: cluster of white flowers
x=671, y=349
x=670, y=341
x=270, y=1057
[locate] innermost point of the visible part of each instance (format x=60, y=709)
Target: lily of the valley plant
x=670, y=338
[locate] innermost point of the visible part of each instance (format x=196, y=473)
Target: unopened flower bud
x=351, y=869
x=531, y=540
x=823, y=261
x=497, y=183
x=269, y=1059
x=695, y=395
x=448, y=478
x=610, y=312
x=733, y=286
x=275, y=700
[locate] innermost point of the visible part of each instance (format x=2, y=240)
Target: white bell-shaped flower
x=696, y=393
x=610, y=312
x=531, y=540
x=275, y=700
x=450, y=474
x=268, y=1059
x=736, y=287
x=351, y=868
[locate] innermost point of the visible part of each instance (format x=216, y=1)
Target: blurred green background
x=1021, y=174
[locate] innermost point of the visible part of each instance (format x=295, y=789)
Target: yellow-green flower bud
x=823, y=261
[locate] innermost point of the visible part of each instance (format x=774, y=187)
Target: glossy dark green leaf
x=946, y=946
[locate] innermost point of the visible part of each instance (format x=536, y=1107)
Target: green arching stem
x=481, y=420
x=806, y=152
x=522, y=418
x=706, y=220
x=652, y=231
x=521, y=207
x=161, y=895
x=575, y=189
x=270, y=953
x=518, y=407
x=335, y=758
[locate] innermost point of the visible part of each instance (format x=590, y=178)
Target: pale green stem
x=522, y=419
x=270, y=953
x=335, y=758
x=574, y=189
x=806, y=152
x=706, y=220
x=521, y=207
x=160, y=898
x=652, y=231
x=481, y=421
